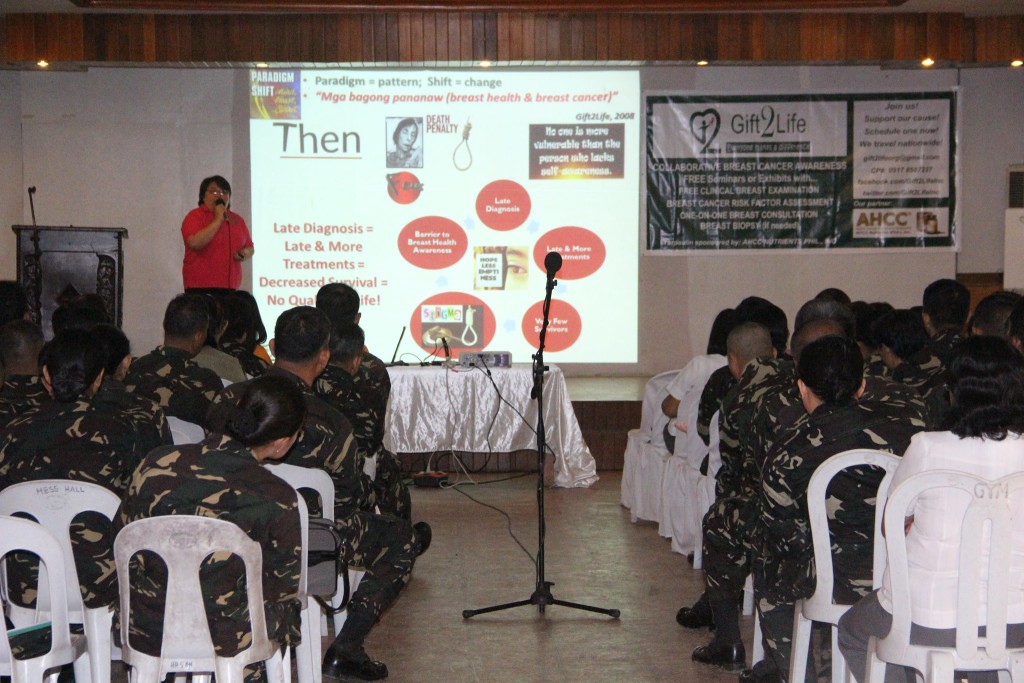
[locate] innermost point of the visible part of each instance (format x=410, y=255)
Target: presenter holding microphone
x=216, y=239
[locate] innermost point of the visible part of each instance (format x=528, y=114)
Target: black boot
x=698, y=616
x=346, y=656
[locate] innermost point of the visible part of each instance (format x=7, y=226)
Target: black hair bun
x=243, y=422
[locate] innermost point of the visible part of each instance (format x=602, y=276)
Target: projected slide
x=437, y=196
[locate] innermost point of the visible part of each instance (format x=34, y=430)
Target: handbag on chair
x=325, y=564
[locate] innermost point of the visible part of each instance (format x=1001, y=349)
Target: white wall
x=128, y=147
x=11, y=188
x=992, y=138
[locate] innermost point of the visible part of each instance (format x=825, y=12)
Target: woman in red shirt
x=216, y=239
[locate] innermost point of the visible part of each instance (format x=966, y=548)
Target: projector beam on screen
x=437, y=196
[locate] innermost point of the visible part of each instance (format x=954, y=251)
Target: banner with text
x=437, y=195
x=797, y=172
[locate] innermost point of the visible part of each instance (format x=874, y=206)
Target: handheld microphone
x=552, y=263
x=447, y=351
x=220, y=202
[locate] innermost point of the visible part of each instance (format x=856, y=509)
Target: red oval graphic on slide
x=582, y=251
x=404, y=187
x=466, y=323
x=503, y=205
x=564, y=325
x=432, y=242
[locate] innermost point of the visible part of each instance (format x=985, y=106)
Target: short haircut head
x=754, y=309
x=13, y=301
x=987, y=381
x=80, y=313
x=813, y=331
x=74, y=360
x=992, y=314
x=339, y=301
x=866, y=315
x=826, y=309
x=186, y=315
x=947, y=303
x=346, y=342
x=748, y=341
x=903, y=332
x=724, y=323
x=268, y=408
x=20, y=343
x=1015, y=323
x=301, y=333
x=833, y=369
x=114, y=343
x=219, y=180
x=833, y=294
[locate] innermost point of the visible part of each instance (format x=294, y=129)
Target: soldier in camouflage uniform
x=840, y=416
x=906, y=352
x=22, y=389
x=168, y=375
x=146, y=416
x=222, y=477
x=384, y=545
x=363, y=398
x=749, y=347
x=764, y=404
x=76, y=437
x=945, y=305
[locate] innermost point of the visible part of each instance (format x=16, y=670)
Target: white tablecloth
x=434, y=408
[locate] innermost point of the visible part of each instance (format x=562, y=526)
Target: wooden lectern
x=57, y=263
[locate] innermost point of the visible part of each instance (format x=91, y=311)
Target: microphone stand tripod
x=541, y=596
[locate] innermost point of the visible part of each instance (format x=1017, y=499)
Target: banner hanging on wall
x=799, y=172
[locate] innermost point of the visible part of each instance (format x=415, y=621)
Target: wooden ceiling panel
x=580, y=6
x=506, y=38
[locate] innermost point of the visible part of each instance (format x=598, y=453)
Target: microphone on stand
x=552, y=263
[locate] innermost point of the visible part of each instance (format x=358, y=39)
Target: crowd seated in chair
x=221, y=477
x=985, y=440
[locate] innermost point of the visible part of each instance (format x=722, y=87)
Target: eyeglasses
x=218, y=193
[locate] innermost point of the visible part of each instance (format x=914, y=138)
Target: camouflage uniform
x=783, y=562
x=362, y=399
x=20, y=394
x=926, y=373
x=943, y=344
x=145, y=415
x=253, y=365
x=218, y=478
x=752, y=416
x=175, y=382
x=717, y=388
x=83, y=441
x=381, y=544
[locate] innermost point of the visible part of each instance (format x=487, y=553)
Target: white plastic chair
x=22, y=534
x=307, y=654
x=321, y=482
x=54, y=503
x=820, y=607
x=679, y=488
x=989, y=511
x=704, y=486
x=643, y=465
x=184, y=432
x=183, y=542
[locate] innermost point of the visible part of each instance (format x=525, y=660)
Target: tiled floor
x=593, y=554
